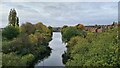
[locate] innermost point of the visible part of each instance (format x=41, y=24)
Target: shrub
x=70, y=32
x=14, y=60
x=102, y=51
x=27, y=28
x=80, y=26
x=27, y=59
x=41, y=28
x=11, y=59
x=10, y=32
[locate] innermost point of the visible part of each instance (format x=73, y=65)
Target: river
x=58, y=48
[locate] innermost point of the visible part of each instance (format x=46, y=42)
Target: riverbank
x=24, y=48
x=96, y=49
x=40, y=58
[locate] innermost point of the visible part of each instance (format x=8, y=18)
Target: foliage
x=100, y=49
x=69, y=32
x=27, y=46
x=27, y=28
x=12, y=18
x=65, y=26
x=12, y=59
x=80, y=26
x=27, y=59
x=41, y=28
x=38, y=39
x=41, y=38
x=17, y=21
x=33, y=39
x=51, y=30
x=10, y=32
x=18, y=44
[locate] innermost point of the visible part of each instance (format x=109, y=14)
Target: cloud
x=60, y=0
x=62, y=13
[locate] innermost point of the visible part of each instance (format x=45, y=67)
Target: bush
x=12, y=59
x=27, y=59
x=27, y=28
x=27, y=46
x=41, y=27
x=70, y=32
x=10, y=32
x=80, y=26
x=21, y=44
x=73, y=41
x=99, y=49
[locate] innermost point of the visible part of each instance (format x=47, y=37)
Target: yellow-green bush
x=97, y=49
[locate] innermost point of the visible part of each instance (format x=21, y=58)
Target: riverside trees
x=69, y=32
x=24, y=44
x=94, y=50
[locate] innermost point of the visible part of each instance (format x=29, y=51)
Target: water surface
x=58, y=48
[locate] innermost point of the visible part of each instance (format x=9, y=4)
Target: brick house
x=94, y=29
x=90, y=28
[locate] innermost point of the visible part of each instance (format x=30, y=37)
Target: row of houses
x=100, y=28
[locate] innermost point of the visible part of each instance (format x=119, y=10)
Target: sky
x=57, y=14
x=60, y=0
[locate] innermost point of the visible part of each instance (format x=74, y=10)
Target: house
x=90, y=28
x=95, y=29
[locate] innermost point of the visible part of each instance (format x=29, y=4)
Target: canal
x=58, y=48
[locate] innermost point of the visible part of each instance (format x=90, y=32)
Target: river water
x=58, y=48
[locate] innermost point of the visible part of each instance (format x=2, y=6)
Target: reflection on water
x=58, y=48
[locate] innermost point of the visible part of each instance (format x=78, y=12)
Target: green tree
x=40, y=27
x=65, y=26
x=27, y=28
x=80, y=26
x=51, y=30
x=70, y=32
x=10, y=32
x=12, y=18
x=17, y=23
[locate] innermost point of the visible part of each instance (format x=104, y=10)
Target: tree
x=33, y=39
x=41, y=27
x=80, y=26
x=17, y=23
x=27, y=28
x=51, y=30
x=12, y=18
x=65, y=26
x=14, y=60
x=10, y=32
x=41, y=39
x=70, y=32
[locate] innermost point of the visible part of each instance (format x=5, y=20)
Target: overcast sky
x=62, y=13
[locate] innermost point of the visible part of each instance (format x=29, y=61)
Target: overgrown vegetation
x=22, y=45
x=69, y=32
x=10, y=32
x=96, y=49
